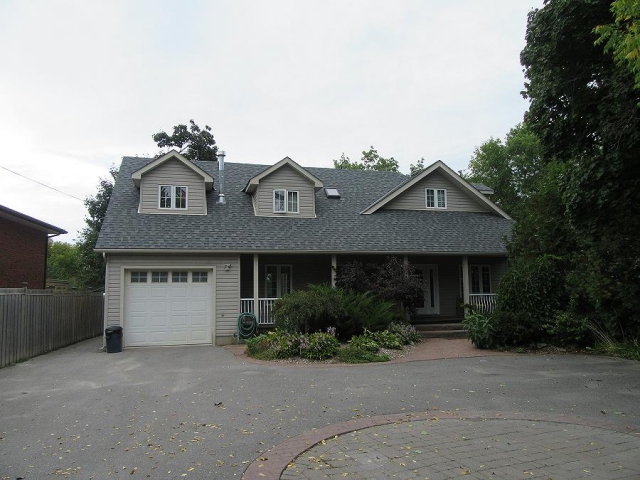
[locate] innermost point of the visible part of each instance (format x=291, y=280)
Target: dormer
x=284, y=190
x=174, y=185
x=438, y=189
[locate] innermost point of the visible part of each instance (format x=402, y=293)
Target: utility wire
x=40, y=183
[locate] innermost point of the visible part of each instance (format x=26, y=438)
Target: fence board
x=34, y=322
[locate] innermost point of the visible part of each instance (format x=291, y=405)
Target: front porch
x=450, y=282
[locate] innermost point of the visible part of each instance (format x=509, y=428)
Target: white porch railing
x=484, y=302
x=263, y=314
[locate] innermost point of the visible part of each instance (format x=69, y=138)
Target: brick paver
x=450, y=445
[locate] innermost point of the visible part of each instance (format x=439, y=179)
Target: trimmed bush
x=273, y=345
x=365, y=343
x=568, y=329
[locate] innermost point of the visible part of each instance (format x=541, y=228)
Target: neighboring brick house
x=23, y=249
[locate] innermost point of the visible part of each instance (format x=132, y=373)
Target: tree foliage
x=191, y=141
x=392, y=280
x=92, y=263
x=64, y=262
x=370, y=160
x=622, y=37
x=582, y=216
x=511, y=168
x=417, y=168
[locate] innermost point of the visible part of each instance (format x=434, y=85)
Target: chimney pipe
x=221, y=198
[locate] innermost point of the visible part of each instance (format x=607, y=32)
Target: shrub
x=319, y=346
x=479, y=329
x=530, y=294
x=321, y=306
x=407, y=332
x=353, y=354
x=387, y=339
x=309, y=310
x=567, y=329
x=365, y=311
x=273, y=345
x=365, y=343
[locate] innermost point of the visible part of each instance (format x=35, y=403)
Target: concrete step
x=443, y=334
x=426, y=327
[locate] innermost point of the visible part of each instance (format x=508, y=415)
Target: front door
x=431, y=301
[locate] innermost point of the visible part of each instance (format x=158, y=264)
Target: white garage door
x=165, y=307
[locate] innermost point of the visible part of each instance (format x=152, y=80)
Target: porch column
x=465, y=280
x=334, y=267
x=256, y=304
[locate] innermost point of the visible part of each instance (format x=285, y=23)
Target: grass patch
x=629, y=350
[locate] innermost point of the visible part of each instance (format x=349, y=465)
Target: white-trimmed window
x=480, y=279
x=172, y=197
x=277, y=280
x=285, y=201
x=435, y=197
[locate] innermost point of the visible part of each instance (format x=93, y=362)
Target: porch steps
x=441, y=330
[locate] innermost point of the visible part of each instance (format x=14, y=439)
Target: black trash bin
x=114, y=339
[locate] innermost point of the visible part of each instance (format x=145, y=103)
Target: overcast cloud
x=85, y=83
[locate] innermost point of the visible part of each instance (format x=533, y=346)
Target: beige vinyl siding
x=227, y=285
x=285, y=178
x=175, y=173
x=457, y=199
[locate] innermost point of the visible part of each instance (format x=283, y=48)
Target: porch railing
x=484, y=302
x=263, y=313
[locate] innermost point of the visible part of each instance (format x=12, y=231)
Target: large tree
x=622, y=37
x=370, y=160
x=584, y=109
x=92, y=263
x=191, y=141
x=64, y=262
x=510, y=167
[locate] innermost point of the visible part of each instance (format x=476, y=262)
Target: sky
x=84, y=83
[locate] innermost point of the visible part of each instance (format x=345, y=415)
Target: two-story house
x=191, y=245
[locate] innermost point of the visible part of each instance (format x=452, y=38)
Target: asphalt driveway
x=200, y=412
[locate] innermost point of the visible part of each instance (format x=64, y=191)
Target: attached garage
x=168, y=307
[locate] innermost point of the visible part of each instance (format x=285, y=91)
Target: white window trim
x=480, y=281
x=286, y=201
x=435, y=198
x=279, y=266
x=173, y=197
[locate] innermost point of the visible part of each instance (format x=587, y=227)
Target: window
x=480, y=279
x=159, y=277
x=277, y=280
x=199, y=277
x=285, y=201
x=172, y=197
x=332, y=192
x=435, y=197
x=138, y=277
x=180, y=277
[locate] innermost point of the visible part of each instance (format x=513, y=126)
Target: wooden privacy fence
x=33, y=322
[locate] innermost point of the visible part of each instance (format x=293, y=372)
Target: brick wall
x=22, y=255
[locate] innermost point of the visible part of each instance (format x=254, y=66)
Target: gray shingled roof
x=339, y=227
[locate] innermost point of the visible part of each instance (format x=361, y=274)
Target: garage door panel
x=167, y=313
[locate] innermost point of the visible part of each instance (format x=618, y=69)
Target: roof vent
x=331, y=192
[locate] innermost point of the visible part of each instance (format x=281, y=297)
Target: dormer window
x=172, y=197
x=285, y=201
x=436, y=197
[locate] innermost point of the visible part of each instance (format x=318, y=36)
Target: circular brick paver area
x=451, y=446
